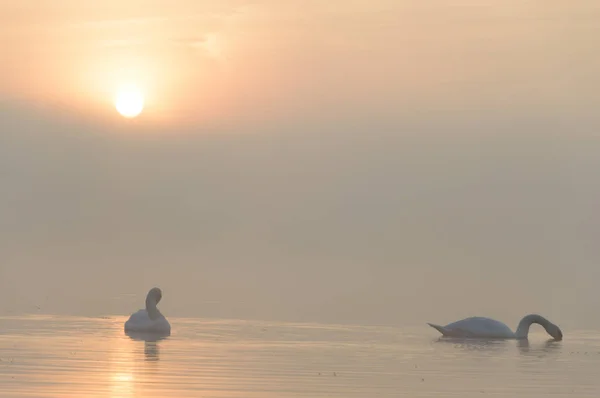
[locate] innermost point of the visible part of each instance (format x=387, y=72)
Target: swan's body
x=486, y=328
x=149, y=320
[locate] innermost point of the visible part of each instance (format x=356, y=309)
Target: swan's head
x=154, y=295
x=152, y=299
x=554, y=331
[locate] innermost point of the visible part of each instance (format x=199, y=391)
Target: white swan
x=149, y=320
x=486, y=328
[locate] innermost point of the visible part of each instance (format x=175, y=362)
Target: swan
x=149, y=320
x=486, y=328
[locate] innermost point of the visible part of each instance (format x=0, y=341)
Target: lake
x=58, y=356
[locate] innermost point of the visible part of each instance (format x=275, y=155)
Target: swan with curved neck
x=486, y=328
x=150, y=319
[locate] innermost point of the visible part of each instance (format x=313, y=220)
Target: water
x=49, y=356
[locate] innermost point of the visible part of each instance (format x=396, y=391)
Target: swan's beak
x=559, y=335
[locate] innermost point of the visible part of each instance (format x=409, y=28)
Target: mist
x=396, y=187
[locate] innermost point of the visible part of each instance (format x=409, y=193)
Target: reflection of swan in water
x=151, y=351
x=549, y=346
x=148, y=337
x=486, y=328
x=472, y=344
x=149, y=320
x=151, y=348
x=496, y=345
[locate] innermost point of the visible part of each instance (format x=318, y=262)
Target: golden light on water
x=121, y=369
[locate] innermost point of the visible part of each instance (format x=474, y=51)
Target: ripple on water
x=48, y=356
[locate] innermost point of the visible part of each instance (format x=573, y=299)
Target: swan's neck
x=151, y=309
x=527, y=321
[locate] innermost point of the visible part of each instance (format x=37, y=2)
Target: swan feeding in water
x=486, y=328
x=149, y=320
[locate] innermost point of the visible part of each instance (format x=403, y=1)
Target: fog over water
x=408, y=165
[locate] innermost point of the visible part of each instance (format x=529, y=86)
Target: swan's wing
x=480, y=327
x=137, y=320
x=139, y=316
x=451, y=332
x=141, y=322
x=439, y=328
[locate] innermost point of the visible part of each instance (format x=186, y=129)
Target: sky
x=373, y=162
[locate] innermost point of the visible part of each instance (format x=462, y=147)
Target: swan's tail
x=439, y=328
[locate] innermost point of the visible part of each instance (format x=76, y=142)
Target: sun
x=129, y=101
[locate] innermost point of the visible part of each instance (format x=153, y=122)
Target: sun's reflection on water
x=67, y=357
x=122, y=385
x=133, y=367
x=122, y=377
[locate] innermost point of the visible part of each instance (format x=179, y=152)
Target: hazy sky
x=357, y=161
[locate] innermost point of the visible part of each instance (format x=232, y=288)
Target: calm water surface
x=47, y=356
